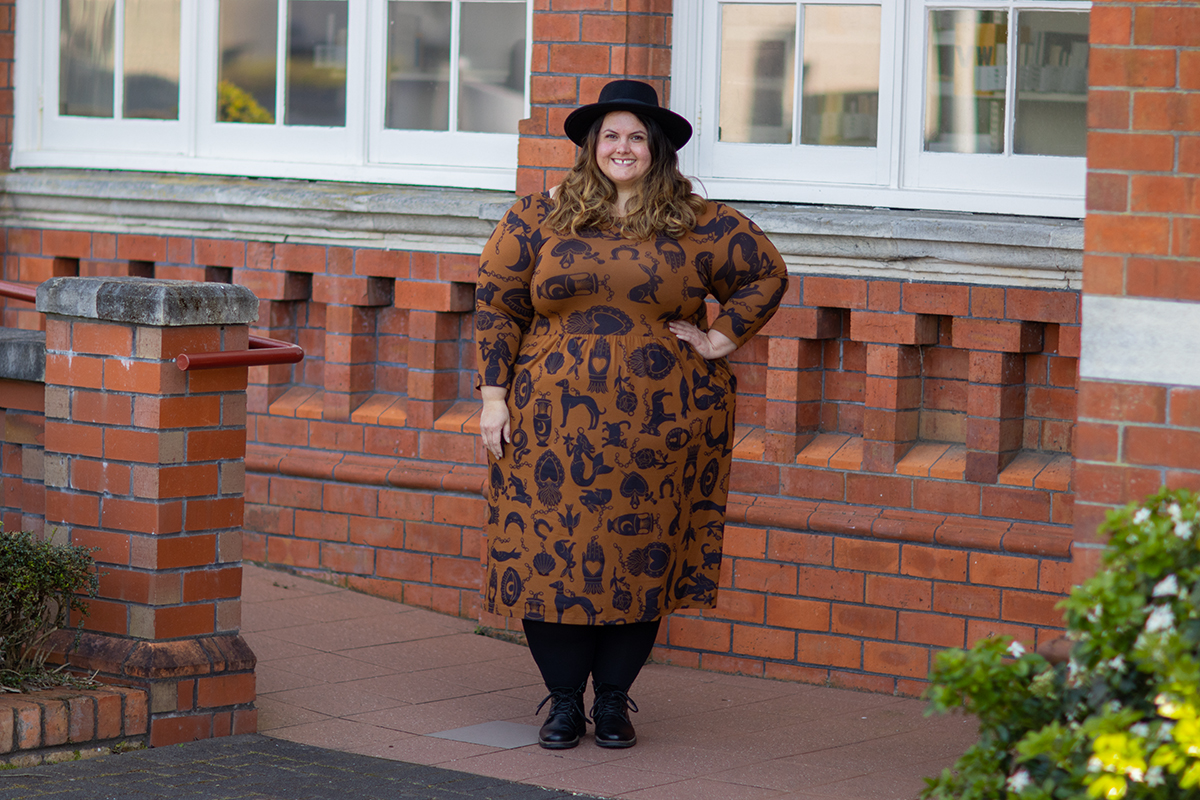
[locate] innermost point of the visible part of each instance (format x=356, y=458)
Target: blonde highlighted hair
x=663, y=203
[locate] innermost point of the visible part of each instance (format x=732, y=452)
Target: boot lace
x=562, y=701
x=613, y=702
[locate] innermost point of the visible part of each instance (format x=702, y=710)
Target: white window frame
x=362, y=150
x=903, y=174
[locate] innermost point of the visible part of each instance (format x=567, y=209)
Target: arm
x=748, y=279
x=503, y=312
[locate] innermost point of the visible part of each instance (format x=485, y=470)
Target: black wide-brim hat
x=635, y=96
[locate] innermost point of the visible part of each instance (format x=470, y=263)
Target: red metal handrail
x=262, y=350
x=18, y=292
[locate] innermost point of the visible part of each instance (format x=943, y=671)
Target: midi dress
x=608, y=505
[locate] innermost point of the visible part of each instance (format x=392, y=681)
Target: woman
x=608, y=404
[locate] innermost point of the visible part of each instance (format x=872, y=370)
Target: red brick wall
x=1142, y=239
x=8, y=27
x=578, y=46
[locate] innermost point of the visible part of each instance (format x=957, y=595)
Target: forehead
x=622, y=122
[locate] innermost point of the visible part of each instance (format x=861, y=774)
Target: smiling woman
x=609, y=459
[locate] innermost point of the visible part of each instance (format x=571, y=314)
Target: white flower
x=1095, y=764
x=1175, y=512
x=1154, y=776
x=1016, y=650
x=1117, y=664
x=1167, y=587
x=1183, y=529
x=1166, y=706
x=1140, y=729
x=1160, y=619
x=1094, y=614
x=1141, y=516
x=1135, y=774
x=1018, y=781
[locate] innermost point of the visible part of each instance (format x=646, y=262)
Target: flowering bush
x=1121, y=718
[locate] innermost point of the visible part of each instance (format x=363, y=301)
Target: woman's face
x=623, y=149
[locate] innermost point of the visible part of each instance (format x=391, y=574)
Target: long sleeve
x=503, y=310
x=748, y=278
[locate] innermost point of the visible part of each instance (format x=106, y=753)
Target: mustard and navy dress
x=609, y=504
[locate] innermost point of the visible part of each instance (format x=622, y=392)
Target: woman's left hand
x=709, y=344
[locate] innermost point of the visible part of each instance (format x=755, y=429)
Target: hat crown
x=630, y=92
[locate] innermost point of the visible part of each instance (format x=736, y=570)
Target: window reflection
x=86, y=61
x=151, y=59
x=1052, y=55
x=840, y=103
x=246, y=73
x=316, y=63
x=757, y=83
x=418, y=66
x=967, y=66
x=491, y=62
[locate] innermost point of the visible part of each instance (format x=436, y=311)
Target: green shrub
x=39, y=586
x=1121, y=718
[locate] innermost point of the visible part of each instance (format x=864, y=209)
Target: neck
x=624, y=195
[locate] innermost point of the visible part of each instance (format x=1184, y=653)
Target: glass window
x=840, y=104
x=967, y=70
x=248, y=45
x=894, y=103
x=491, y=93
x=418, y=66
x=86, y=58
x=316, y=63
x=1052, y=56
x=758, y=55
x=151, y=62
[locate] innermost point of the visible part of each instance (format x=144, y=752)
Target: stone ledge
x=43, y=726
x=887, y=243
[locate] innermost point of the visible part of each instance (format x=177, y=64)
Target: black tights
x=611, y=654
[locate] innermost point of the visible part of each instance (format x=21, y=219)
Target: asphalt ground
x=254, y=767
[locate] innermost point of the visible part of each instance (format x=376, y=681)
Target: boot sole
x=558, y=745
x=616, y=745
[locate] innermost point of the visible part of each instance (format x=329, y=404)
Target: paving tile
x=275, y=714
x=524, y=764
x=339, y=734
x=606, y=780
x=506, y=735
x=268, y=647
x=703, y=789
x=448, y=714
x=336, y=700
x=330, y=667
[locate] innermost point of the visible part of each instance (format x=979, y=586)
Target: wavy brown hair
x=663, y=203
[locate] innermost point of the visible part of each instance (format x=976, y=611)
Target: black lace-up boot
x=610, y=714
x=566, y=722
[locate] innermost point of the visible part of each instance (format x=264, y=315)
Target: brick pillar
x=795, y=371
x=1139, y=392
x=996, y=390
x=574, y=53
x=144, y=462
x=892, y=389
x=433, y=365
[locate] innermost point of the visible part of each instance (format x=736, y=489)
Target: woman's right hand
x=494, y=423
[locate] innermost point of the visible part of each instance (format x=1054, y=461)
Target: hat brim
x=577, y=124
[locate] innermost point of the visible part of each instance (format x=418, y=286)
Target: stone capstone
x=145, y=301
x=22, y=355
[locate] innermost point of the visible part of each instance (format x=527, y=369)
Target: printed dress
x=609, y=504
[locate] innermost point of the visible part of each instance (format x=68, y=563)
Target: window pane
x=840, y=104
x=85, y=77
x=151, y=68
x=1052, y=55
x=316, y=63
x=491, y=63
x=758, y=68
x=965, y=74
x=418, y=65
x=246, y=75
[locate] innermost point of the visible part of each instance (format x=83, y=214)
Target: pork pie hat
x=635, y=96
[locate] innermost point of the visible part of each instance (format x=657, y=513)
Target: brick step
x=51, y=725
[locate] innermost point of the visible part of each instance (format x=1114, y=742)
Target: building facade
x=964, y=374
